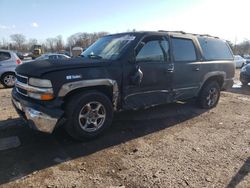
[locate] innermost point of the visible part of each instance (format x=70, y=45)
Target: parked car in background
x=8, y=62
x=247, y=58
x=239, y=61
x=52, y=56
x=245, y=75
x=27, y=54
x=20, y=55
x=65, y=53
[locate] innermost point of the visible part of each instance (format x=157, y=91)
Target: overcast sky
x=41, y=19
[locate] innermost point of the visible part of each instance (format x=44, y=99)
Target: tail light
x=18, y=62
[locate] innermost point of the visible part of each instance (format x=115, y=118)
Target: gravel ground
x=176, y=145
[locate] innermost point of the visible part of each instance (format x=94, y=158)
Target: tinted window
x=4, y=56
x=61, y=57
x=215, y=49
x=183, y=50
x=53, y=57
x=153, y=51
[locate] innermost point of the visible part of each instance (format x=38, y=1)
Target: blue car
x=245, y=75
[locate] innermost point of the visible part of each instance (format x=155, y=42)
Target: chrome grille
x=21, y=79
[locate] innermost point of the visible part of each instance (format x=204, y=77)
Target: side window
x=61, y=57
x=153, y=50
x=183, y=49
x=4, y=56
x=53, y=57
x=215, y=49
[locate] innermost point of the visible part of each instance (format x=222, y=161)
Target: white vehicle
x=239, y=61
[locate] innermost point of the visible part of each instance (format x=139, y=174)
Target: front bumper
x=37, y=116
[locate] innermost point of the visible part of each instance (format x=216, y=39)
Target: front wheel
x=209, y=95
x=88, y=115
x=8, y=80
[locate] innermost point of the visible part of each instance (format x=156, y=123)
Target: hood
x=38, y=68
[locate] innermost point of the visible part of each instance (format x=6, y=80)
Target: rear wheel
x=209, y=95
x=88, y=115
x=8, y=80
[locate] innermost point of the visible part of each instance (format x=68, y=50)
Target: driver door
x=151, y=77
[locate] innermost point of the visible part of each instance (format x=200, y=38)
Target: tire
x=8, y=79
x=82, y=113
x=209, y=95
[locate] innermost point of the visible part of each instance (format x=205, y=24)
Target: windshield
x=109, y=47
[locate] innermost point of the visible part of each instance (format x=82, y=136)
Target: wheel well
x=218, y=79
x=107, y=90
x=7, y=73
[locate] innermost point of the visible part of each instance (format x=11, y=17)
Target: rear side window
x=53, y=57
x=183, y=49
x=4, y=56
x=61, y=57
x=215, y=49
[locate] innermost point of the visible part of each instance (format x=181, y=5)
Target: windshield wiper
x=93, y=56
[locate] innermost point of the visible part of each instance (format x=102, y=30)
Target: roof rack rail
x=182, y=32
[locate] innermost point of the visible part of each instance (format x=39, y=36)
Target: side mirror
x=136, y=79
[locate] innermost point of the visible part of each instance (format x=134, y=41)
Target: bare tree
x=31, y=43
x=59, y=43
x=19, y=39
x=4, y=44
x=51, y=44
x=84, y=39
x=242, y=48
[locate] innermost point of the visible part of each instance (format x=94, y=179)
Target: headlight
x=42, y=89
x=40, y=82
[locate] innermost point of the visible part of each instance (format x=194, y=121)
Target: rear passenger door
x=187, y=75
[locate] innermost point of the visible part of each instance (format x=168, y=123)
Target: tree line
x=19, y=42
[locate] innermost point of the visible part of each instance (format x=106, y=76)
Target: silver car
x=52, y=56
x=8, y=63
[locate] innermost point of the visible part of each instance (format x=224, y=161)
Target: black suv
x=120, y=72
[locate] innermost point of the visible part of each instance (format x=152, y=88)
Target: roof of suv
x=167, y=32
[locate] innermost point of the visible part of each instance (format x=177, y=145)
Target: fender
x=68, y=87
x=212, y=74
